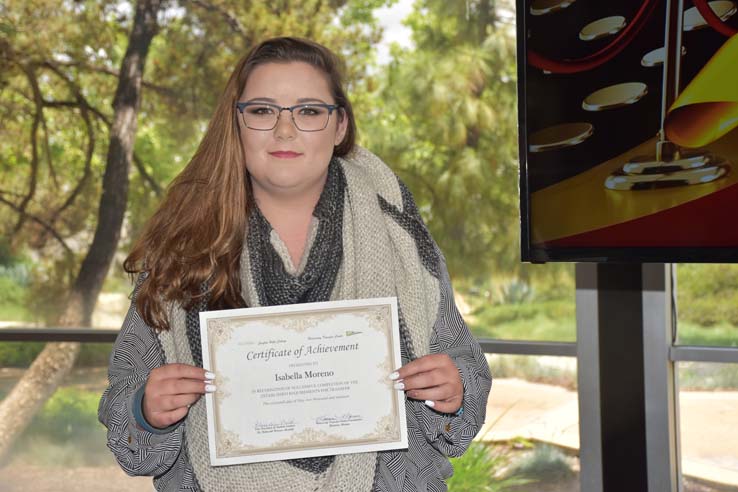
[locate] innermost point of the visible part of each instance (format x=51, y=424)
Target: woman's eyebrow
x=301, y=100
x=262, y=99
x=310, y=99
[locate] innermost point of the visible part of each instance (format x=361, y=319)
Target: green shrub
x=22, y=354
x=707, y=295
x=478, y=471
x=722, y=334
x=710, y=310
x=69, y=413
x=19, y=354
x=94, y=355
x=515, y=292
x=538, y=320
x=13, y=299
x=543, y=463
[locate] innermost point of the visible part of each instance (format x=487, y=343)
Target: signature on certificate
x=339, y=419
x=267, y=426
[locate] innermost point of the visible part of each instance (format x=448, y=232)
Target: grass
x=723, y=334
x=556, y=321
x=545, y=320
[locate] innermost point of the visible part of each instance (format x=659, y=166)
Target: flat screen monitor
x=628, y=117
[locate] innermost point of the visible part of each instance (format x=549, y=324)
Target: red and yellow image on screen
x=631, y=116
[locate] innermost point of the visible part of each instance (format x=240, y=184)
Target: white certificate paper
x=303, y=380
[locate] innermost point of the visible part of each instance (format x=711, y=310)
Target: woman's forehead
x=292, y=80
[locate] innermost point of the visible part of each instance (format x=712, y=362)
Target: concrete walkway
x=709, y=424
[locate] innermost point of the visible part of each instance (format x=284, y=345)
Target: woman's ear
x=342, y=126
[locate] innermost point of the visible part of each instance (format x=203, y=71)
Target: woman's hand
x=170, y=391
x=433, y=378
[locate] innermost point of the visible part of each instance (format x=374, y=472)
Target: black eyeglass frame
x=240, y=106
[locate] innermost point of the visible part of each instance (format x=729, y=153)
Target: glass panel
x=537, y=306
x=707, y=304
x=64, y=448
x=708, y=403
x=531, y=439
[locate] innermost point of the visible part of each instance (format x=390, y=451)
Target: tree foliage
x=59, y=73
x=444, y=118
x=442, y=113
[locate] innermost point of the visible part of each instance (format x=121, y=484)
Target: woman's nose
x=285, y=126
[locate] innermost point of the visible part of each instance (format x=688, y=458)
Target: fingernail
x=209, y=375
x=430, y=403
x=399, y=386
x=209, y=388
x=394, y=375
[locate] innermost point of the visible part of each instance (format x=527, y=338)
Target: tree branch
x=39, y=221
x=38, y=102
x=47, y=151
x=164, y=91
x=87, y=170
x=140, y=167
x=230, y=19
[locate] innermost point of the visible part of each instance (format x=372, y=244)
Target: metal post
x=628, y=408
x=661, y=388
x=588, y=379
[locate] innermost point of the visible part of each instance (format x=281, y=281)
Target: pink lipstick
x=285, y=154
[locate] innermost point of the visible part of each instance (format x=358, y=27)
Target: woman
x=278, y=206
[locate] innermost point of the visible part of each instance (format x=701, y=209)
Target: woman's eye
x=311, y=111
x=260, y=110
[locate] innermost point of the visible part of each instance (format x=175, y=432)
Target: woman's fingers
x=180, y=371
x=424, y=380
x=180, y=387
x=451, y=405
x=165, y=419
x=159, y=410
x=422, y=364
x=434, y=379
x=170, y=389
x=434, y=394
x=170, y=403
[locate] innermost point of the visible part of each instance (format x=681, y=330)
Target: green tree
x=444, y=118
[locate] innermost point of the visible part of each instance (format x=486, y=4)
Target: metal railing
x=681, y=353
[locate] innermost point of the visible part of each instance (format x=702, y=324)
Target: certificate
x=303, y=380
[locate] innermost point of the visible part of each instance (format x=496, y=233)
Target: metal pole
x=672, y=62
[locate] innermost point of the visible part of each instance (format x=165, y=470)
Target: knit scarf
x=368, y=243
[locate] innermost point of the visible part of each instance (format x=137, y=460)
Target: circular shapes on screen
x=559, y=136
x=656, y=181
x=615, y=96
x=693, y=20
x=655, y=58
x=607, y=26
x=543, y=7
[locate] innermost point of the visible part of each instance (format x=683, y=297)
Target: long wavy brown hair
x=191, y=247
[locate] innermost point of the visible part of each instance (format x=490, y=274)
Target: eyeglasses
x=311, y=117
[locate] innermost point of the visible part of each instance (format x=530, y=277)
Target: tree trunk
x=56, y=360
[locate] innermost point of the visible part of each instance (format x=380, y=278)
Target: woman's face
x=285, y=161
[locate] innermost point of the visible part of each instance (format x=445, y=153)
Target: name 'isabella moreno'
x=306, y=374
